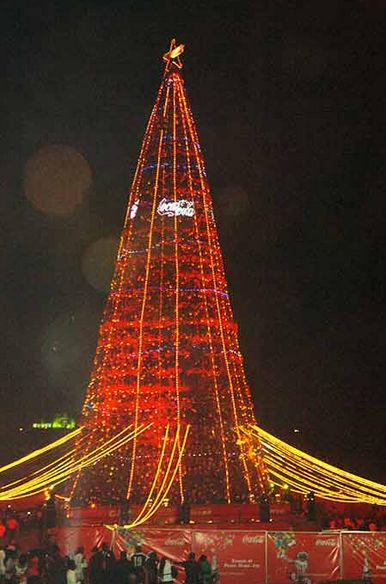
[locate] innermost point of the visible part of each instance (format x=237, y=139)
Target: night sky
x=290, y=108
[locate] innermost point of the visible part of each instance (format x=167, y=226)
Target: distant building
x=59, y=422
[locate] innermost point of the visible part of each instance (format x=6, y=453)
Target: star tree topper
x=173, y=55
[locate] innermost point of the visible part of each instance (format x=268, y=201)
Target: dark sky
x=289, y=102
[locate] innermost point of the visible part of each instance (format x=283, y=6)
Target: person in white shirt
x=214, y=564
x=71, y=574
x=80, y=564
x=2, y=562
x=166, y=571
x=21, y=569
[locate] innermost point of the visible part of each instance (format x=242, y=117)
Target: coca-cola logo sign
x=258, y=539
x=172, y=208
x=134, y=209
x=327, y=542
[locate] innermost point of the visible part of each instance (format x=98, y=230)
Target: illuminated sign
x=59, y=422
x=172, y=208
x=168, y=207
x=134, y=209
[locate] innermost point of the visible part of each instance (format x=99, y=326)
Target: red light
x=168, y=351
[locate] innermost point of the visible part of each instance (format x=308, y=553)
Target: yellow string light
x=167, y=482
x=42, y=450
x=142, y=317
x=206, y=197
x=56, y=475
x=63, y=469
x=177, y=272
x=304, y=473
x=163, y=493
x=208, y=325
x=158, y=470
x=159, y=494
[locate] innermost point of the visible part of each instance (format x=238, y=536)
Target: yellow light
x=41, y=451
x=167, y=481
x=304, y=473
x=208, y=327
x=206, y=197
x=142, y=316
x=62, y=471
x=177, y=286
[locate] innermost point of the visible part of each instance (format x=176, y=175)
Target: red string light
x=168, y=351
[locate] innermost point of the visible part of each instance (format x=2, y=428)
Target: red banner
x=302, y=557
x=364, y=554
x=245, y=557
x=69, y=538
x=239, y=554
x=174, y=544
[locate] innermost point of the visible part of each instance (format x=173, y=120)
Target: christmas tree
x=168, y=351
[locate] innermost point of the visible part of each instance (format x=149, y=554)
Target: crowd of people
x=11, y=522
x=347, y=522
x=9, y=528
x=50, y=566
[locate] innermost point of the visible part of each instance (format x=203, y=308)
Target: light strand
x=305, y=473
x=208, y=327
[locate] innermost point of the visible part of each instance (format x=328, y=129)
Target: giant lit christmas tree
x=168, y=412
x=168, y=351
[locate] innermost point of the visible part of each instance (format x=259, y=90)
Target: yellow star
x=173, y=55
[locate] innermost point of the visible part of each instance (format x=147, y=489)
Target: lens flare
x=98, y=263
x=56, y=179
